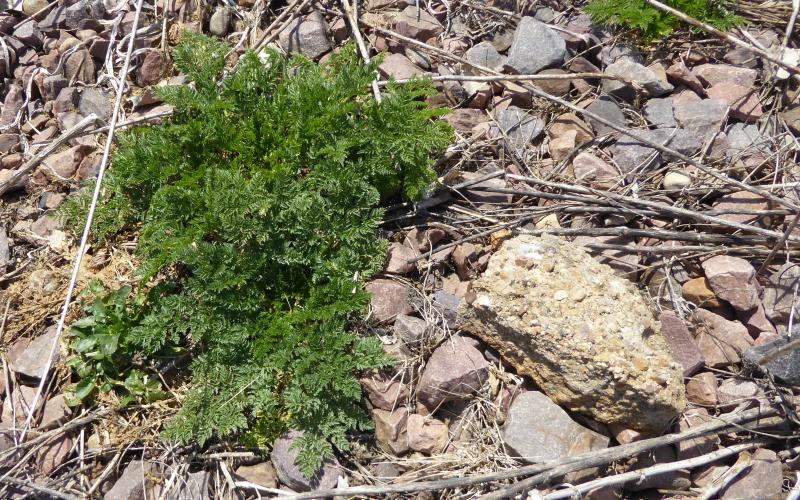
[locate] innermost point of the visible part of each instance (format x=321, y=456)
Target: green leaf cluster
x=653, y=23
x=108, y=356
x=257, y=206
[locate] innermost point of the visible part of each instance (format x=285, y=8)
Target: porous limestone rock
x=584, y=335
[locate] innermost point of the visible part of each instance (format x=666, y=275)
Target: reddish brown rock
x=465, y=119
x=589, y=168
x=417, y=23
x=553, y=87
x=733, y=392
x=465, y=259
x=399, y=67
x=568, y=122
x=455, y=371
x=680, y=343
x=62, y=166
x=744, y=102
x=679, y=74
x=762, y=480
x=398, y=259
x=391, y=429
x=389, y=298
x=712, y=74
x=779, y=294
x=79, y=67
x=756, y=321
x=423, y=241
x=702, y=389
x=427, y=434
x=384, y=392
x=733, y=280
x=673, y=480
x=152, y=69
x=721, y=341
x=54, y=453
x=691, y=448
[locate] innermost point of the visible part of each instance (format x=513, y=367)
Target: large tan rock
x=584, y=335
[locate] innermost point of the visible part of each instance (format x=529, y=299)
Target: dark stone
x=780, y=358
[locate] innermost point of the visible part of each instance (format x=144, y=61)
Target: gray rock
x=30, y=33
x=703, y=117
x=744, y=139
x=630, y=154
x=610, y=54
x=447, y=305
x=55, y=18
x=659, y=113
x=537, y=430
x=193, y=487
x=605, y=107
x=484, y=54
x=777, y=358
x=520, y=126
x=284, y=458
x=308, y=36
x=220, y=22
x=636, y=72
x=33, y=355
x=454, y=371
x=93, y=100
x=83, y=10
x=409, y=329
x=535, y=47
x=135, y=483
x=53, y=85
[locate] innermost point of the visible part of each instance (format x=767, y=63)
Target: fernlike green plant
x=257, y=206
x=652, y=23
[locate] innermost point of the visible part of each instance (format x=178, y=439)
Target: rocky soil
x=603, y=287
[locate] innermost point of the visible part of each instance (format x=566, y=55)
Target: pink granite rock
x=389, y=298
x=426, y=434
x=744, y=102
x=680, y=343
x=721, y=341
x=712, y=74
x=455, y=370
x=679, y=74
x=733, y=280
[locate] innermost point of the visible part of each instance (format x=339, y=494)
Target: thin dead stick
x=642, y=474
x=289, y=9
x=505, y=78
x=28, y=166
x=654, y=205
x=40, y=489
x=725, y=36
x=352, y=19
x=579, y=462
x=33, y=16
x=87, y=227
x=780, y=243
